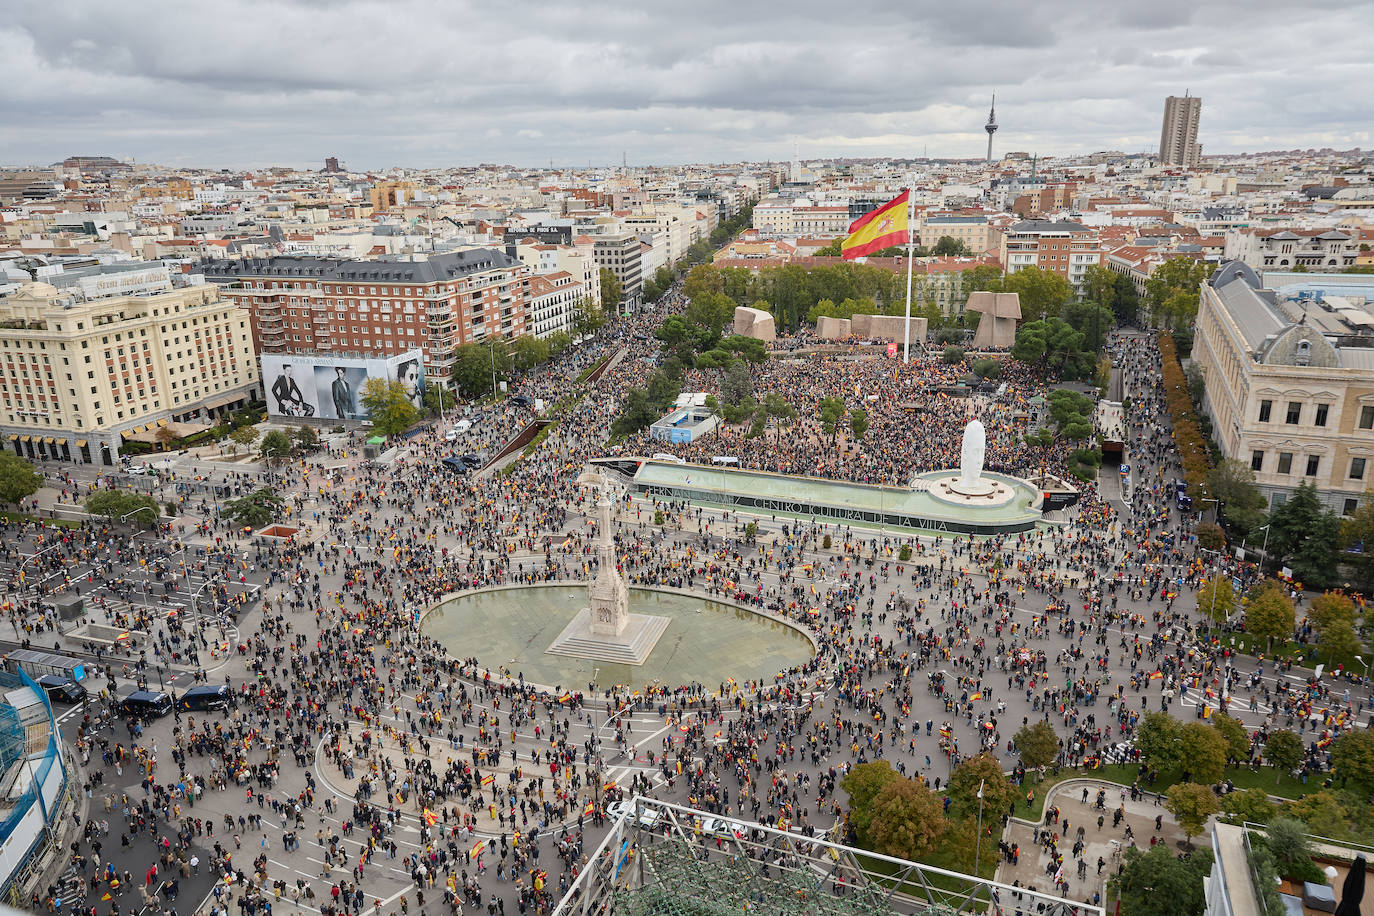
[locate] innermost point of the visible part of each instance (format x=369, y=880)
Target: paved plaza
x=364, y=768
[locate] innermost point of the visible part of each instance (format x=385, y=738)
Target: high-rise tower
x=991, y=126
x=1178, y=138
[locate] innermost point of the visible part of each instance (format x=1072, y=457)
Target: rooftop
x=432, y=269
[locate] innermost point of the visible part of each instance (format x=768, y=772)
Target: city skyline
x=412, y=84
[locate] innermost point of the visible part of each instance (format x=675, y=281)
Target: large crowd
x=1085, y=623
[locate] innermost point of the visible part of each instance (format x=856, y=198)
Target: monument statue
x=971, y=456
x=608, y=597
x=605, y=630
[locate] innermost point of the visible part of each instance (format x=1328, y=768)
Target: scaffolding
x=660, y=859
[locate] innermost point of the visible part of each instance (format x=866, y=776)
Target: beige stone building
x=1290, y=381
x=80, y=371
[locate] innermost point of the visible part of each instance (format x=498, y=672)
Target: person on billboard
x=290, y=401
x=408, y=373
x=342, y=394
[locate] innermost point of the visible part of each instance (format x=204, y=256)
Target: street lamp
x=1360, y=659
x=978, y=840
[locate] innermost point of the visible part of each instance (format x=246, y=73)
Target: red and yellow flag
x=431, y=818
x=878, y=229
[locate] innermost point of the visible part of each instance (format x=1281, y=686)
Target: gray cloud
x=430, y=82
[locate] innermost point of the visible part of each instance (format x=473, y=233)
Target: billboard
x=331, y=387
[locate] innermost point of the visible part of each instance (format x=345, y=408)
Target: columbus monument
x=605, y=630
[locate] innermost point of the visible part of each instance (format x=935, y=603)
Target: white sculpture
x=971, y=457
x=607, y=593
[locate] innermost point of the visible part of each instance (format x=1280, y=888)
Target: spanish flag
x=589, y=809
x=431, y=818
x=878, y=229
x=488, y=779
x=479, y=848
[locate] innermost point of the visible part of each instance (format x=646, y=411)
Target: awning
x=49, y=440
x=61, y=441
x=14, y=436
x=26, y=438
x=220, y=401
x=162, y=422
x=80, y=443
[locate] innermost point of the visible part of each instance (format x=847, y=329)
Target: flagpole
x=910, y=218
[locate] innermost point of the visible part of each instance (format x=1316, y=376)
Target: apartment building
x=1178, y=135
x=1289, y=376
x=379, y=307
x=1062, y=246
x=971, y=230
x=553, y=303
x=1283, y=249
x=620, y=253
x=820, y=220
x=116, y=353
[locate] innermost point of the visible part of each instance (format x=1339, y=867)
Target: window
x=1285, y=462
x=1267, y=407
x=1357, y=468
x=1367, y=416
x=1257, y=461
x=1313, y=462
x=1351, y=505
x=1294, y=412
x=1322, y=411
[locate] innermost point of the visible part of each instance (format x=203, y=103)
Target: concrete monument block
x=999, y=314
x=888, y=327
x=755, y=323
x=833, y=328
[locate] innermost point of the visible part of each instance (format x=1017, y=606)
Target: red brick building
x=379, y=307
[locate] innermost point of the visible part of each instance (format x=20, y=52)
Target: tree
x=165, y=436
x=1283, y=750
x=1210, y=536
x=636, y=412
x=908, y=820
x=1201, y=753
x=1352, y=758
x=123, y=505
x=1053, y=348
x=1252, y=805
x=862, y=784
x=1042, y=293
x=276, y=445
x=306, y=437
x=477, y=367
x=1158, y=883
x=1339, y=640
x=1216, y=598
x=781, y=413
x=530, y=351
x=1172, y=289
x=1323, y=814
x=244, y=437
x=831, y=410
x=1125, y=300
x=980, y=279
x=737, y=385
x=18, y=479
x=858, y=422
x=1157, y=739
x=610, y=300
x=1287, y=842
x=1331, y=609
x=998, y=795
x=1232, y=483
x=1037, y=744
x=388, y=406
x=1269, y=612
x=1072, y=413
x=703, y=279
x=1191, y=805
x=1236, y=738
x=1099, y=285
x=748, y=348
x=986, y=368
x=952, y=356
x=1091, y=320
x=256, y=510
x=948, y=246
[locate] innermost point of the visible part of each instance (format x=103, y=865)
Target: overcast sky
x=232, y=83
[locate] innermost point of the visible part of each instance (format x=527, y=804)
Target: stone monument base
x=631, y=647
x=985, y=492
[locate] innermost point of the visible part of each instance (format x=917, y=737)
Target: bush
x=987, y=368
x=905, y=553
x=1192, y=445
x=953, y=356
x=825, y=542
x=949, y=335
x=658, y=516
